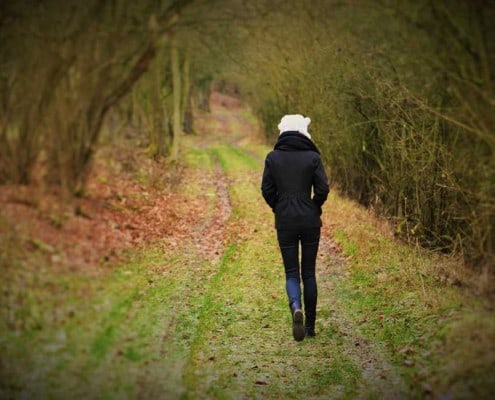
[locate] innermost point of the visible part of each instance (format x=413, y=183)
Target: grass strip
x=436, y=330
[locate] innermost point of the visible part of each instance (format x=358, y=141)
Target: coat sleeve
x=268, y=187
x=320, y=184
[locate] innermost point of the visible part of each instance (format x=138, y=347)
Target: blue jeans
x=289, y=241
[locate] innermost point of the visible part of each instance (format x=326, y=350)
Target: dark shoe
x=298, y=325
x=309, y=331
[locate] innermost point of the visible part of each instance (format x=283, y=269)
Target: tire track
x=379, y=376
x=209, y=237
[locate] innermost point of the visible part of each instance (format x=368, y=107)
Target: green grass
x=243, y=346
x=396, y=297
x=349, y=248
x=117, y=329
x=171, y=324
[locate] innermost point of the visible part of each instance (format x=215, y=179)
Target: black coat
x=292, y=169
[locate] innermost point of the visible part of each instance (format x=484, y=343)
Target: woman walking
x=295, y=186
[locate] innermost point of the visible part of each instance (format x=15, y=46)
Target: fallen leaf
x=407, y=350
x=426, y=387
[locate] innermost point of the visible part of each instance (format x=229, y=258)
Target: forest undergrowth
x=165, y=282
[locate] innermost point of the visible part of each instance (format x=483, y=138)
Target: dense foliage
x=403, y=105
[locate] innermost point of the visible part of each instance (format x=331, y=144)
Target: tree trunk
x=176, y=98
x=186, y=116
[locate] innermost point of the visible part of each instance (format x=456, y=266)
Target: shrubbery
x=402, y=102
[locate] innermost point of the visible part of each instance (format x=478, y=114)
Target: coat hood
x=294, y=141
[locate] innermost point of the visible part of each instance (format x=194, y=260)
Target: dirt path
x=197, y=307
x=202, y=313
x=378, y=375
x=338, y=364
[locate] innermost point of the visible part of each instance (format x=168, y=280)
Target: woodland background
x=401, y=95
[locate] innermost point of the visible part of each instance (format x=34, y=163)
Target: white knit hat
x=295, y=122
